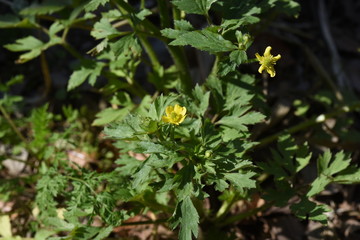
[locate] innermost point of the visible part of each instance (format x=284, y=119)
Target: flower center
x=175, y=117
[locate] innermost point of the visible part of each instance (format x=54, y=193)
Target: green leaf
x=127, y=45
x=31, y=44
x=181, y=27
x=142, y=176
x=43, y=234
x=239, y=91
x=12, y=21
x=200, y=102
x=103, y=233
x=241, y=180
x=189, y=220
x=150, y=147
x=90, y=70
x=25, y=44
x=40, y=120
x=233, y=24
x=204, y=40
x=94, y=4
x=240, y=122
x=109, y=115
x=194, y=6
x=55, y=28
x=281, y=194
x=289, y=159
x=104, y=29
x=238, y=56
x=157, y=108
x=327, y=167
x=46, y=7
x=306, y=209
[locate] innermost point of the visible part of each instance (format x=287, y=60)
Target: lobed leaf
x=194, y=6
x=204, y=40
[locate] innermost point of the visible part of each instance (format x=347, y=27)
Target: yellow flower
x=174, y=114
x=267, y=61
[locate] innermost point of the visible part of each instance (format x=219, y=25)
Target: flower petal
x=183, y=111
x=169, y=110
x=261, y=69
x=259, y=58
x=267, y=51
x=271, y=71
x=166, y=119
x=277, y=57
x=177, y=109
x=181, y=119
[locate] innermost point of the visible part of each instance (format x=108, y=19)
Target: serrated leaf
x=200, y=102
x=141, y=176
x=241, y=180
x=181, y=27
x=150, y=147
x=306, y=209
x=104, y=29
x=90, y=70
x=24, y=44
x=128, y=128
x=143, y=14
x=233, y=24
x=40, y=120
x=33, y=45
x=240, y=123
x=327, y=167
x=281, y=194
x=127, y=45
x=59, y=224
x=238, y=56
x=103, y=233
x=94, y=4
x=55, y=28
x=239, y=91
x=12, y=21
x=204, y=40
x=46, y=7
x=157, y=108
x=194, y=6
x=109, y=115
x=351, y=175
x=189, y=220
x=340, y=162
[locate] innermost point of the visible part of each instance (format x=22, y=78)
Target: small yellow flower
x=267, y=61
x=174, y=114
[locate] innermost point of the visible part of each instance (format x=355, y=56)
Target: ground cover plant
x=158, y=120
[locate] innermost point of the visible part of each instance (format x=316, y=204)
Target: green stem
x=176, y=52
x=72, y=50
x=83, y=182
x=312, y=121
x=244, y=215
x=12, y=124
x=151, y=53
x=144, y=222
x=225, y=207
x=164, y=14
x=176, y=14
x=181, y=64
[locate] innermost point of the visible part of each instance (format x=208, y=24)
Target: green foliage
x=328, y=168
x=196, y=7
x=141, y=164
